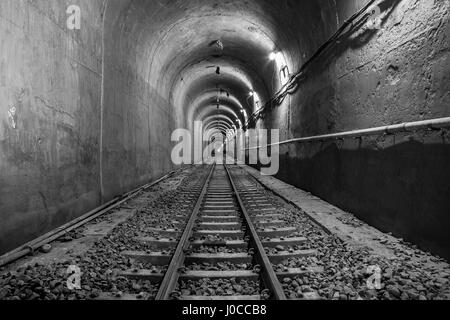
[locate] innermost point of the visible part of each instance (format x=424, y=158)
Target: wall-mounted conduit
x=434, y=124
x=295, y=79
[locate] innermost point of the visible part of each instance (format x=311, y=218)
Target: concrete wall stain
x=49, y=116
x=371, y=78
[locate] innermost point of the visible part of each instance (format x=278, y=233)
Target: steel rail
x=57, y=233
x=171, y=277
x=269, y=276
x=291, y=202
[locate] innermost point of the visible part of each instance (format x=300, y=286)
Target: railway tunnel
x=346, y=101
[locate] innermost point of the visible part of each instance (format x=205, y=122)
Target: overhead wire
x=291, y=86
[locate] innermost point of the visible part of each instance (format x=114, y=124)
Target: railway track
x=212, y=233
x=225, y=248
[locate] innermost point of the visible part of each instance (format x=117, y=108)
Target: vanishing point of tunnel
x=329, y=117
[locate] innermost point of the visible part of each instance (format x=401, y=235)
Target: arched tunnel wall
x=87, y=115
x=400, y=73
x=138, y=119
x=86, y=126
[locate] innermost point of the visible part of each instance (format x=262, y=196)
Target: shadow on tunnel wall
x=355, y=37
x=403, y=189
x=398, y=187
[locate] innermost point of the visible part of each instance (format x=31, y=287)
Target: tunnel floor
x=239, y=229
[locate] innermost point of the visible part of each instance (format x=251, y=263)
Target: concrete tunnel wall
x=400, y=73
x=81, y=132
x=86, y=115
x=95, y=108
x=138, y=119
x=50, y=113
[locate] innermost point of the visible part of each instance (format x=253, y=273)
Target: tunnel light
x=257, y=101
x=279, y=59
x=273, y=56
x=284, y=74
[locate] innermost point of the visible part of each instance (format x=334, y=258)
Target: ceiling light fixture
x=273, y=56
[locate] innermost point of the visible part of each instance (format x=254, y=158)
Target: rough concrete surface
x=87, y=115
x=79, y=241
x=346, y=225
x=50, y=93
x=398, y=72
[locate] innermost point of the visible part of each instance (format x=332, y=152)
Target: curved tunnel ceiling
x=213, y=112
x=212, y=120
x=208, y=104
x=234, y=83
x=189, y=51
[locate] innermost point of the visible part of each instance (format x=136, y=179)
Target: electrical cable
x=290, y=87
